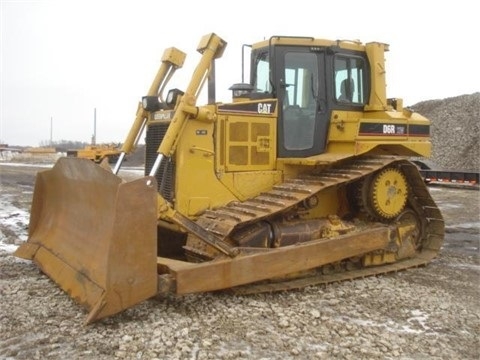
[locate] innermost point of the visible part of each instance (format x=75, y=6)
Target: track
x=432, y=242
x=223, y=221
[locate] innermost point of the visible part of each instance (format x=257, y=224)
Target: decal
x=266, y=107
x=201, y=132
x=388, y=129
x=419, y=130
x=373, y=129
x=163, y=115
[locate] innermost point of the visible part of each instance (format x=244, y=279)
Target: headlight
x=172, y=97
x=151, y=103
x=144, y=103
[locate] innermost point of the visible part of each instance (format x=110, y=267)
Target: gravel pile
x=455, y=131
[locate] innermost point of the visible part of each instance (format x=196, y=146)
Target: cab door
x=300, y=86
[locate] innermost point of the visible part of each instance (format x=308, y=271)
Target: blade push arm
x=172, y=60
x=211, y=47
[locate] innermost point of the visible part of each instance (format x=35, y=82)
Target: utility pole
x=51, y=131
x=94, y=137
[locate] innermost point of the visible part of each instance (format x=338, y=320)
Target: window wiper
x=314, y=93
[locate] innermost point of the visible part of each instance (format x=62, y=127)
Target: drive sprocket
x=383, y=195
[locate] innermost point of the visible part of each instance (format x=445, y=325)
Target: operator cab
x=309, y=81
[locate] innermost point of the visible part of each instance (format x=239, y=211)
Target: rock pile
x=455, y=131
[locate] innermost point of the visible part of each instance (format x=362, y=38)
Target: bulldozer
x=302, y=178
x=97, y=153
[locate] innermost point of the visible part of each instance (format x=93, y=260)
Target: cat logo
x=163, y=115
x=264, y=108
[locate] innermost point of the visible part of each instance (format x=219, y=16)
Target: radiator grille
x=166, y=173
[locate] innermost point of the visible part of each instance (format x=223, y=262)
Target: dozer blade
x=94, y=235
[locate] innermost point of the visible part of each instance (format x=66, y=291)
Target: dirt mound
x=455, y=131
x=136, y=158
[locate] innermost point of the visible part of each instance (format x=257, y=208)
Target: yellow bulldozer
x=97, y=153
x=302, y=178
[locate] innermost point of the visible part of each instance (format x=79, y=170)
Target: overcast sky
x=62, y=59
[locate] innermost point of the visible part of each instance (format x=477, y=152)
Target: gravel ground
x=431, y=312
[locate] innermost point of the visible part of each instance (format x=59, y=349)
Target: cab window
x=262, y=74
x=349, y=80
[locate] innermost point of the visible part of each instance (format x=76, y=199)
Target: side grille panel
x=166, y=173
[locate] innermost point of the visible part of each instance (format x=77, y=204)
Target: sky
x=64, y=60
